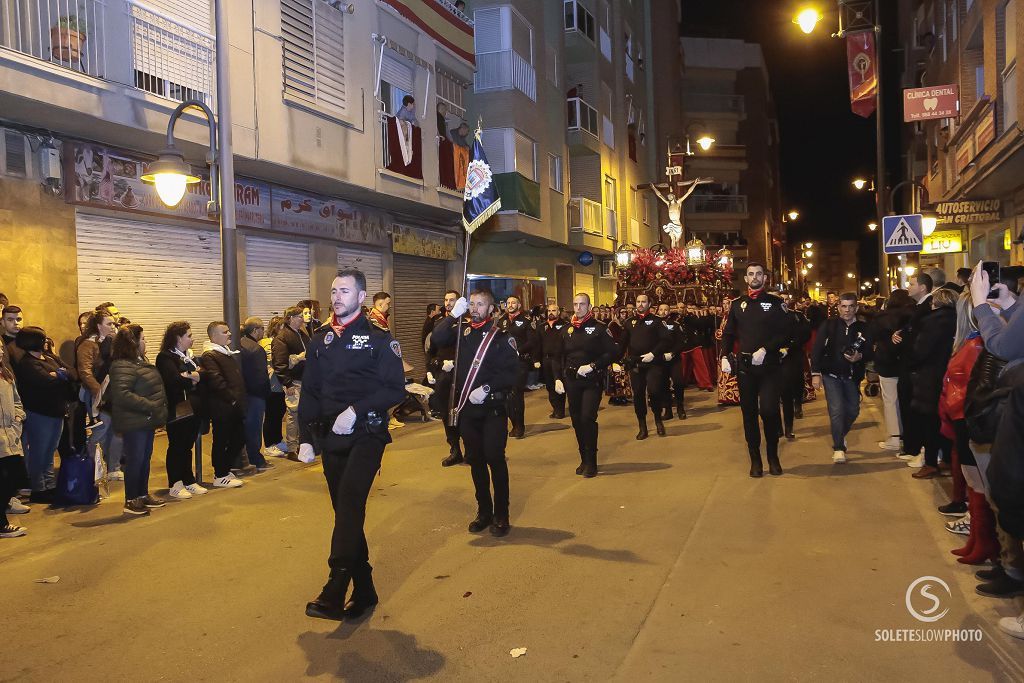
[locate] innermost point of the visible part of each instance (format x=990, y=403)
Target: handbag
x=987, y=392
x=182, y=410
x=76, y=481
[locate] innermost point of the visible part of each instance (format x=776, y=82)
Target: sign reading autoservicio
x=933, y=102
x=969, y=211
x=944, y=242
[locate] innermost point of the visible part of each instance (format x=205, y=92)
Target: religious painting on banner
x=862, y=67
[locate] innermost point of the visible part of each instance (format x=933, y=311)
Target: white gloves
x=647, y=357
x=306, y=453
x=668, y=356
x=758, y=357
x=448, y=365
x=726, y=368
x=430, y=378
x=296, y=358
x=559, y=387
x=616, y=367
x=585, y=370
x=536, y=366
x=460, y=307
x=477, y=396
x=345, y=422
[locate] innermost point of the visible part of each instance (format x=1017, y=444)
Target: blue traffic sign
x=902, y=234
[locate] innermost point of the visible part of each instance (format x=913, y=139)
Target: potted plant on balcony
x=67, y=37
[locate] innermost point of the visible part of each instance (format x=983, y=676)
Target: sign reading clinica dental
x=933, y=102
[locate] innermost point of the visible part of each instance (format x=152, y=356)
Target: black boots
x=756, y=469
x=642, y=434
x=667, y=415
x=481, y=522
x=583, y=463
x=590, y=465
x=774, y=467
x=454, y=457
x=364, y=595
x=557, y=414
x=500, y=526
x=330, y=604
x=518, y=432
x=680, y=410
x=659, y=426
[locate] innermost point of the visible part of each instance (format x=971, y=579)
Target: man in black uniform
x=793, y=370
x=644, y=342
x=672, y=364
x=486, y=373
x=760, y=321
x=588, y=350
x=519, y=325
x=354, y=376
x=440, y=362
x=552, y=347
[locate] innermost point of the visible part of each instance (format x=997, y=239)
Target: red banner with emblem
x=863, y=69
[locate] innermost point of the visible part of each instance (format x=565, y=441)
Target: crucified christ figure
x=674, y=227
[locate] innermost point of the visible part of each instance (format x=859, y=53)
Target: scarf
x=754, y=293
x=188, y=360
x=339, y=326
x=222, y=349
x=577, y=323
x=477, y=326
x=379, y=318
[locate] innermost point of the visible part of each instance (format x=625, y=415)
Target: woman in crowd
x=92, y=359
x=180, y=375
x=933, y=347
x=139, y=406
x=45, y=387
x=273, y=438
x=12, y=461
x=898, y=309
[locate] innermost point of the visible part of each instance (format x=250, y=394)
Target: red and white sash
x=474, y=368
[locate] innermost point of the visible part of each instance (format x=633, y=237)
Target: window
x=551, y=65
x=578, y=18
x=645, y=207
x=314, y=53
x=396, y=81
x=555, y=172
x=504, y=51
x=979, y=82
x=610, y=203
x=1009, y=84
x=508, y=151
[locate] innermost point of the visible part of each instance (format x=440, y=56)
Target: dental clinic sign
x=935, y=102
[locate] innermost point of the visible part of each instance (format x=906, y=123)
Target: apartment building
x=564, y=90
x=972, y=165
x=326, y=174
x=726, y=96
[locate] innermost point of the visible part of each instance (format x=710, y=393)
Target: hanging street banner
x=902, y=234
x=862, y=67
x=935, y=102
x=944, y=242
x=969, y=212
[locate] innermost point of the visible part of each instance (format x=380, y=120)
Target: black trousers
x=584, y=400
x=181, y=437
x=551, y=370
x=13, y=476
x=792, y=389
x=927, y=428
x=913, y=439
x=760, y=392
x=647, y=380
x=228, y=442
x=273, y=418
x=484, y=431
x=350, y=465
x=674, y=386
x=440, y=404
x=516, y=397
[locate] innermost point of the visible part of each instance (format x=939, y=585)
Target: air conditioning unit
x=607, y=267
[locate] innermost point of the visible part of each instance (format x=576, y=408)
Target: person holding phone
x=1003, y=332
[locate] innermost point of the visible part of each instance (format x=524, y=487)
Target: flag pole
x=453, y=413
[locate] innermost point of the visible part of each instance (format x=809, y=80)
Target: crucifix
x=676, y=192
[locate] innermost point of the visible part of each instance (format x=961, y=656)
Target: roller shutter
x=276, y=275
x=418, y=282
x=370, y=263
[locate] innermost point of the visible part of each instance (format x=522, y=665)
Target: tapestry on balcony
x=403, y=153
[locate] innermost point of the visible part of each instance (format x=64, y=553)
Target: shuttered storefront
x=418, y=282
x=276, y=275
x=372, y=265
x=154, y=273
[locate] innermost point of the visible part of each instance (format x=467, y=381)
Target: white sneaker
x=917, y=461
x=196, y=489
x=1012, y=626
x=960, y=526
x=395, y=424
x=890, y=444
x=16, y=507
x=115, y=476
x=228, y=482
x=838, y=457
x=179, y=491
x=271, y=452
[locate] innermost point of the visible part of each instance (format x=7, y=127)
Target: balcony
x=169, y=58
x=505, y=70
x=402, y=147
x=461, y=16
x=61, y=33
x=582, y=117
x=717, y=203
x=452, y=163
x=713, y=103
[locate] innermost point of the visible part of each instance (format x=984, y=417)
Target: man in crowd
x=355, y=377
x=841, y=349
x=831, y=304
x=759, y=321
x=519, y=325
x=674, y=384
x=288, y=354
x=920, y=290
x=487, y=365
x=963, y=277
x=433, y=313
x=253, y=359
x=695, y=335
x=224, y=396
x=440, y=363
x=12, y=322
x=793, y=369
x=408, y=111
x=381, y=311
x=552, y=350
x=645, y=341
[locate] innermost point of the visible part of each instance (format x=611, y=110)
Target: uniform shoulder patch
x=512, y=343
x=609, y=331
x=396, y=348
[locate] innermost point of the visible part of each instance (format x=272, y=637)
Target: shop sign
x=313, y=215
x=415, y=242
x=969, y=212
x=944, y=242
x=935, y=102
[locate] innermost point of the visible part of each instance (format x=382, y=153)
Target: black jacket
x=500, y=365
x=834, y=337
x=40, y=392
x=933, y=346
x=521, y=329
x=254, y=367
x=223, y=387
x=758, y=323
x=889, y=356
x=287, y=343
x=178, y=388
x=591, y=342
x=643, y=335
x=552, y=342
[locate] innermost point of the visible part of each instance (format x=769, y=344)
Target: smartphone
x=992, y=268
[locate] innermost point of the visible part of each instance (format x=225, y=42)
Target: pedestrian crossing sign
x=902, y=234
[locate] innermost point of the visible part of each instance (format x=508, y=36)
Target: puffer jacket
x=954, y=384
x=12, y=417
x=933, y=346
x=137, y=396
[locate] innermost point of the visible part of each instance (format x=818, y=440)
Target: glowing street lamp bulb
x=705, y=142
x=807, y=19
x=909, y=270
x=808, y=253
x=872, y=226
x=171, y=176
x=859, y=183
x=803, y=271
x=850, y=275
x=810, y=265
x=928, y=223
x=793, y=215
x=171, y=187
x=876, y=279
x=808, y=244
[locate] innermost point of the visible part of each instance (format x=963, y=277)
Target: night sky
x=824, y=144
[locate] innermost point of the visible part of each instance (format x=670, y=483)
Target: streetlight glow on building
x=807, y=19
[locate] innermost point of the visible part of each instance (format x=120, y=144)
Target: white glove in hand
x=345, y=422
x=536, y=366
x=726, y=368
x=585, y=370
x=448, y=365
x=668, y=356
x=616, y=367
x=430, y=378
x=477, y=396
x=306, y=453
x=296, y=358
x=647, y=357
x=460, y=307
x=559, y=387
x=758, y=357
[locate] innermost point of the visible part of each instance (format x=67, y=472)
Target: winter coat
x=888, y=356
x=929, y=357
x=42, y=393
x=275, y=384
x=138, y=398
x=954, y=384
x=12, y=417
x=178, y=388
x=253, y=359
x=288, y=343
x=222, y=385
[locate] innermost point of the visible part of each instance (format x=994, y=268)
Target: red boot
x=972, y=509
x=986, y=544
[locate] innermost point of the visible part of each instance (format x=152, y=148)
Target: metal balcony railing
x=629, y=68
x=503, y=70
x=585, y=215
x=69, y=33
x=169, y=58
x=713, y=103
x=450, y=6
x=582, y=116
x=717, y=203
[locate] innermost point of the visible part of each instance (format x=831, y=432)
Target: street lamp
x=872, y=226
x=725, y=258
x=705, y=142
x=623, y=256
x=171, y=175
x=807, y=19
x=861, y=183
x=929, y=219
x=850, y=275
x=695, y=254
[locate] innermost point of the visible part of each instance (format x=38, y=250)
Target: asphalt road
x=671, y=565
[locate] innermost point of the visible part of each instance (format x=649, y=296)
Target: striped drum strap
x=474, y=369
